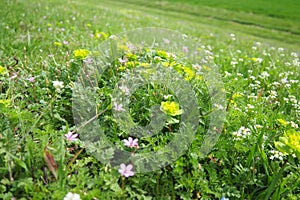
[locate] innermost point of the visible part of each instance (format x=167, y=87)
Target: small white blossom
x=242, y=133
x=276, y=155
x=72, y=196
x=294, y=54
x=124, y=89
x=58, y=85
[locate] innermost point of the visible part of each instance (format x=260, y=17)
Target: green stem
x=123, y=184
x=74, y=158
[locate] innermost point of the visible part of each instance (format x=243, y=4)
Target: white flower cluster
x=242, y=133
x=58, y=85
x=72, y=196
x=276, y=155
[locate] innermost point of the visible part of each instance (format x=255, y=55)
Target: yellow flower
x=162, y=54
x=289, y=143
x=131, y=56
x=4, y=102
x=189, y=73
x=143, y=64
x=57, y=44
x=81, y=53
x=171, y=108
x=236, y=95
x=3, y=70
x=101, y=35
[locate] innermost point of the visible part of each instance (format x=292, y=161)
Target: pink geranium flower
x=118, y=107
x=126, y=170
x=71, y=137
x=31, y=79
x=132, y=143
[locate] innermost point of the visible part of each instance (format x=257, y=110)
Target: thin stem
x=123, y=184
x=74, y=158
x=90, y=120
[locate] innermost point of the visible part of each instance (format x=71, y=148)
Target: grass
x=278, y=9
x=44, y=46
x=242, y=18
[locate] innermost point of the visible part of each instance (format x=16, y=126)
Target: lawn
x=142, y=99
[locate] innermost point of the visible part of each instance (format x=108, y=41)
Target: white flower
x=124, y=89
x=264, y=75
x=276, y=155
x=72, y=196
x=58, y=85
x=293, y=124
x=294, y=54
x=259, y=60
x=113, y=37
x=242, y=133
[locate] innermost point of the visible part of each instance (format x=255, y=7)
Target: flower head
x=118, y=107
x=58, y=85
x=57, y=44
x=72, y=196
x=81, y=53
x=289, y=143
x=171, y=108
x=71, y=137
x=224, y=198
x=276, y=155
x=132, y=143
x=126, y=170
x=31, y=79
x=242, y=133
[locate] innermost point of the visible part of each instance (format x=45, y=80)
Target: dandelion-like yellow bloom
x=81, y=53
x=171, y=108
x=289, y=143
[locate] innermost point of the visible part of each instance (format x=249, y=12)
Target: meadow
x=71, y=96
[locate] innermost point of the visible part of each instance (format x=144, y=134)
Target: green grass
x=243, y=18
x=288, y=9
x=255, y=49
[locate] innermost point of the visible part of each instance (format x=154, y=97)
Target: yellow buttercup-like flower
x=171, y=108
x=81, y=53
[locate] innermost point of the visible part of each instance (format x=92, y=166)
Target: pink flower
x=185, y=49
x=118, y=107
x=132, y=143
x=31, y=79
x=71, y=137
x=122, y=61
x=126, y=170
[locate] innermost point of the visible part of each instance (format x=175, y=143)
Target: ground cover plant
x=43, y=154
